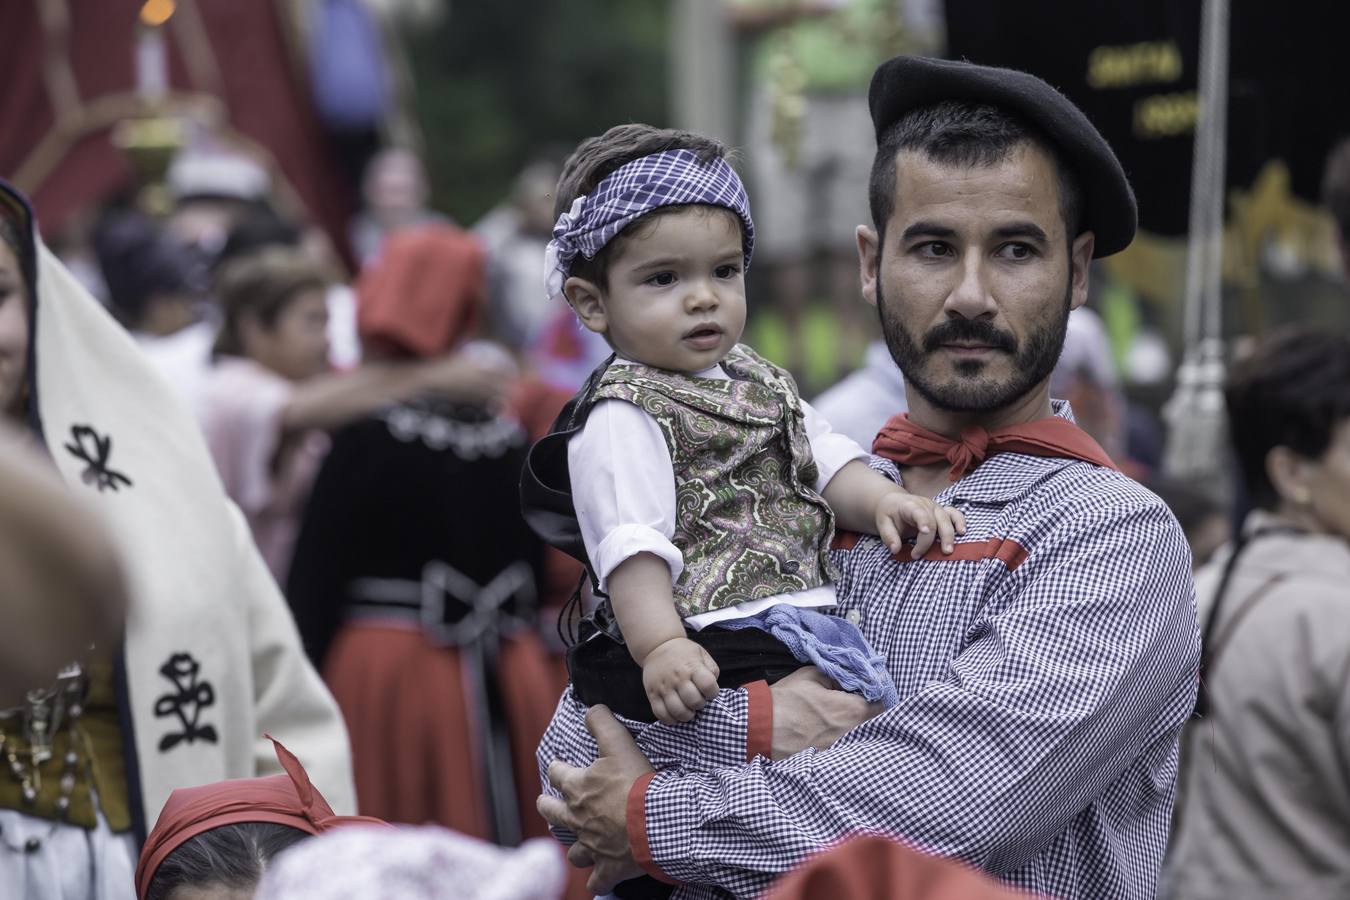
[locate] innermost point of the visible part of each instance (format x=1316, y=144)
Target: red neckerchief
x=907, y=444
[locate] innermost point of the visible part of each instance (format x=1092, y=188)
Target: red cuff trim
x=1006, y=550
x=637, y=829
x=759, y=724
x=845, y=540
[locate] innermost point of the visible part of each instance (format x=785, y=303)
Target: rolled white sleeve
x=831, y=449
x=623, y=488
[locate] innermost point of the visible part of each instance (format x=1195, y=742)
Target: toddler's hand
x=680, y=677
x=900, y=515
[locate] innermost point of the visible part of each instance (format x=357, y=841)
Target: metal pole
x=1197, y=427
x=702, y=72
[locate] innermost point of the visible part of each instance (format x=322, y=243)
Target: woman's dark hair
x=598, y=157
x=1293, y=391
x=231, y=856
x=260, y=227
x=139, y=261
x=962, y=133
x=9, y=236
x=261, y=284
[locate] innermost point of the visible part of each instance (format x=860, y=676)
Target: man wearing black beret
x=1046, y=666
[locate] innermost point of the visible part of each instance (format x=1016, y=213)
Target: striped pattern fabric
x=1044, y=673
x=671, y=178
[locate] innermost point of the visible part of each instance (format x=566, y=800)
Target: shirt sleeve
x=242, y=423
x=1085, y=663
x=623, y=488
x=831, y=449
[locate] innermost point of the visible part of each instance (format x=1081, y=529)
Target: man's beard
x=969, y=391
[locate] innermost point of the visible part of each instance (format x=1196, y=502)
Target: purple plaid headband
x=672, y=178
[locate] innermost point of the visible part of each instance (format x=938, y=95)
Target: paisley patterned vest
x=748, y=520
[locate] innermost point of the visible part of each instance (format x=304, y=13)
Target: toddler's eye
x=662, y=279
x=730, y=270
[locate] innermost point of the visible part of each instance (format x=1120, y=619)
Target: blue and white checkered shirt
x=1044, y=676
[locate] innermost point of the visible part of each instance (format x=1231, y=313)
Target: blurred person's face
x=396, y=188
x=13, y=333
x=318, y=249
x=536, y=214
x=204, y=223
x=296, y=345
x=976, y=278
x=534, y=200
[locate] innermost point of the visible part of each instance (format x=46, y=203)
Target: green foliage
x=499, y=83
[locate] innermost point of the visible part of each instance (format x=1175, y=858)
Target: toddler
x=706, y=492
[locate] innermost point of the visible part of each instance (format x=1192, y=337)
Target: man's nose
x=971, y=297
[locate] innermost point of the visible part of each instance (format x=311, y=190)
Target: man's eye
x=1016, y=250
x=662, y=279
x=935, y=249
x=730, y=270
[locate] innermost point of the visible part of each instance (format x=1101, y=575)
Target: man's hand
x=900, y=514
x=595, y=803
x=809, y=710
x=680, y=678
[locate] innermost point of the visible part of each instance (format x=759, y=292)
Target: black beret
x=907, y=83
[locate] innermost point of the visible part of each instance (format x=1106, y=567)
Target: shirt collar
x=711, y=372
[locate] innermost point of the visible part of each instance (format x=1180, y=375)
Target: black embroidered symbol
x=190, y=694
x=88, y=445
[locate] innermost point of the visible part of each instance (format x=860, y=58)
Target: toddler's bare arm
x=867, y=501
x=678, y=674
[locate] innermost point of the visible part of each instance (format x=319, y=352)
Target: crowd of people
x=510, y=536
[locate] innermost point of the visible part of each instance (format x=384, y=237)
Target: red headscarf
x=288, y=799
x=425, y=291
x=903, y=442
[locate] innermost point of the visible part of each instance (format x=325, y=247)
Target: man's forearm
x=735, y=726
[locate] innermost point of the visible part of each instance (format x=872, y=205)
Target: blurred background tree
x=500, y=83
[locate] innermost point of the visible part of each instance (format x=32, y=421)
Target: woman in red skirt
x=414, y=577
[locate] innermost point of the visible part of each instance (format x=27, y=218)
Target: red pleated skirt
x=414, y=746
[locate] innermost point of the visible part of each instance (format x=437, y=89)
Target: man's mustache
x=968, y=331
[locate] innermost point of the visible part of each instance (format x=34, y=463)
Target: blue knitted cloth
x=831, y=644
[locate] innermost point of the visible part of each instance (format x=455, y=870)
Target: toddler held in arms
x=706, y=491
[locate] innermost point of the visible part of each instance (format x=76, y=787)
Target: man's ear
x=588, y=303
x=869, y=253
x=1289, y=474
x=1080, y=258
